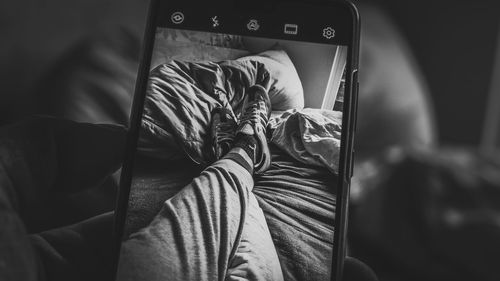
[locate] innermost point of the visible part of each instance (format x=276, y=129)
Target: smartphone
x=185, y=212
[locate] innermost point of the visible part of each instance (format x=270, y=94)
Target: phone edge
x=347, y=155
x=121, y=204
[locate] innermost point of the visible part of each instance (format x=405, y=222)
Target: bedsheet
x=298, y=201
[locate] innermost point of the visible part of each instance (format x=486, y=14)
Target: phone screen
x=240, y=158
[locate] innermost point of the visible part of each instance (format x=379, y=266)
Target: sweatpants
x=213, y=229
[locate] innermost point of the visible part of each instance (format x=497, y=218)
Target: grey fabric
x=310, y=136
x=298, y=201
x=153, y=183
x=213, y=229
x=286, y=88
x=180, y=98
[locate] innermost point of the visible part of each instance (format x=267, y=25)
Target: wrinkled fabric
x=311, y=136
x=212, y=229
x=286, y=88
x=180, y=98
x=299, y=202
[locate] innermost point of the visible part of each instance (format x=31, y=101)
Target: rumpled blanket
x=180, y=98
x=310, y=136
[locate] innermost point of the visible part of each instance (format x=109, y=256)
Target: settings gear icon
x=328, y=32
x=253, y=25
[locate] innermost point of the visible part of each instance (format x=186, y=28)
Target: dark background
x=454, y=43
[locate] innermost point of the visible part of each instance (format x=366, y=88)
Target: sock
x=237, y=157
x=248, y=145
x=246, y=142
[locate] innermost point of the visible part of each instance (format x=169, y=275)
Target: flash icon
x=215, y=21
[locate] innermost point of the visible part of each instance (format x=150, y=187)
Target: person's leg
x=198, y=231
x=213, y=229
x=256, y=257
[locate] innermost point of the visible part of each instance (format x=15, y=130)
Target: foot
x=253, y=122
x=223, y=131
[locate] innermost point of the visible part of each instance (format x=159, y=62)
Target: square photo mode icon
x=292, y=29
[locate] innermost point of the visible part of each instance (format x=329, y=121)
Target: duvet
x=179, y=101
x=181, y=96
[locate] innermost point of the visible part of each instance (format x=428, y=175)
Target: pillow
x=286, y=90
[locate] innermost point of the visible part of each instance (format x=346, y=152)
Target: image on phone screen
x=236, y=169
